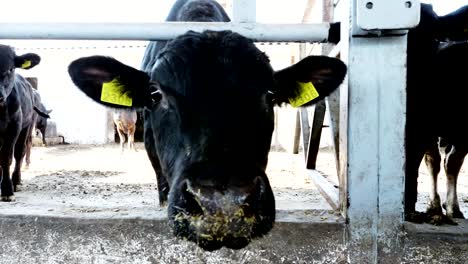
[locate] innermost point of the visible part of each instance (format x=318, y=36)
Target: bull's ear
x=27, y=61
x=110, y=82
x=308, y=81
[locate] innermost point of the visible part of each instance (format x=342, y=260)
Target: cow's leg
x=452, y=164
x=163, y=185
x=6, y=185
x=131, y=138
x=28, y=150
x=434, y=209
x=6, y=158
x=414, y=156
x=20, y=150
x=122, y=139
x=43, y=130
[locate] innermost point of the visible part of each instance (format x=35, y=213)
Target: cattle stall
x=370, y=227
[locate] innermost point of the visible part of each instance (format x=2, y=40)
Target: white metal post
x=372, y=149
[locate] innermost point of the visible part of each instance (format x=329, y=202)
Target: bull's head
x=9, y=61
x=209, y=100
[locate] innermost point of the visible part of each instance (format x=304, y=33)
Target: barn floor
x=326, y=166
x=92, y=204
x=99, y=181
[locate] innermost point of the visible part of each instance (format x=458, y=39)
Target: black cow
x=16, y=116
x=40, y=123
x=209, y=101
x=449, y=71
x=434, y=103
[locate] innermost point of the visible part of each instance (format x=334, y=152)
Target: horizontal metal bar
x=162, y=31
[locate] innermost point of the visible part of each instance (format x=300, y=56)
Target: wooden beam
x=315, y=134
x=326, y=188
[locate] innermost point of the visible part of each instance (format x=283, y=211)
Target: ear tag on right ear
x=26, y=64
x=114, y=92
x=306, y=92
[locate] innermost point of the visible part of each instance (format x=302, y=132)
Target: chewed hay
x=219, y=226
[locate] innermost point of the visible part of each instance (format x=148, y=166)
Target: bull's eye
x=155, y=94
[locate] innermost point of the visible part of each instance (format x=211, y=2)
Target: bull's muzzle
x=214, y=217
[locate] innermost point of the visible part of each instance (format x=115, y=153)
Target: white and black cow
x=16, y=116
x=208, y=100
x=451, y=64
x=125, y=124
x=435, y=103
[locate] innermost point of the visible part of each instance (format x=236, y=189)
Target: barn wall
x=78, y=118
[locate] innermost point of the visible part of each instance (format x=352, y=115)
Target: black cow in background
x=40, y=123
x=208, y=100
x=451, y=65
x=16, y=116
x=435, y=106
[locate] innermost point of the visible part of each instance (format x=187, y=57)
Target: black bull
x=17, y=106
x=208, y=100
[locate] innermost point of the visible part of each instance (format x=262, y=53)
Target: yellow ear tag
x=306, y=93
x=26, y=64
x=114, y=92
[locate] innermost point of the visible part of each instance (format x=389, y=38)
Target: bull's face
x=8, y=63
x=210, y=105
x=212, y=128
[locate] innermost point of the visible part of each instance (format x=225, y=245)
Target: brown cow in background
x=125, y=121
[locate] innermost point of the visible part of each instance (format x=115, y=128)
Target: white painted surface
x=385, y=14
x=78, y=118
x=372, y=150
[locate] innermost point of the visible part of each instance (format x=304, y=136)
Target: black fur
x=208, y=123
x=434, y=92
x=16, y=117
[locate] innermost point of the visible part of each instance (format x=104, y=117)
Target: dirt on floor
x=100, y=181
x=326, y=166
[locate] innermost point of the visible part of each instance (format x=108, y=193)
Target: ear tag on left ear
x=306, y=92
x=114, y=92
x=26, y=64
